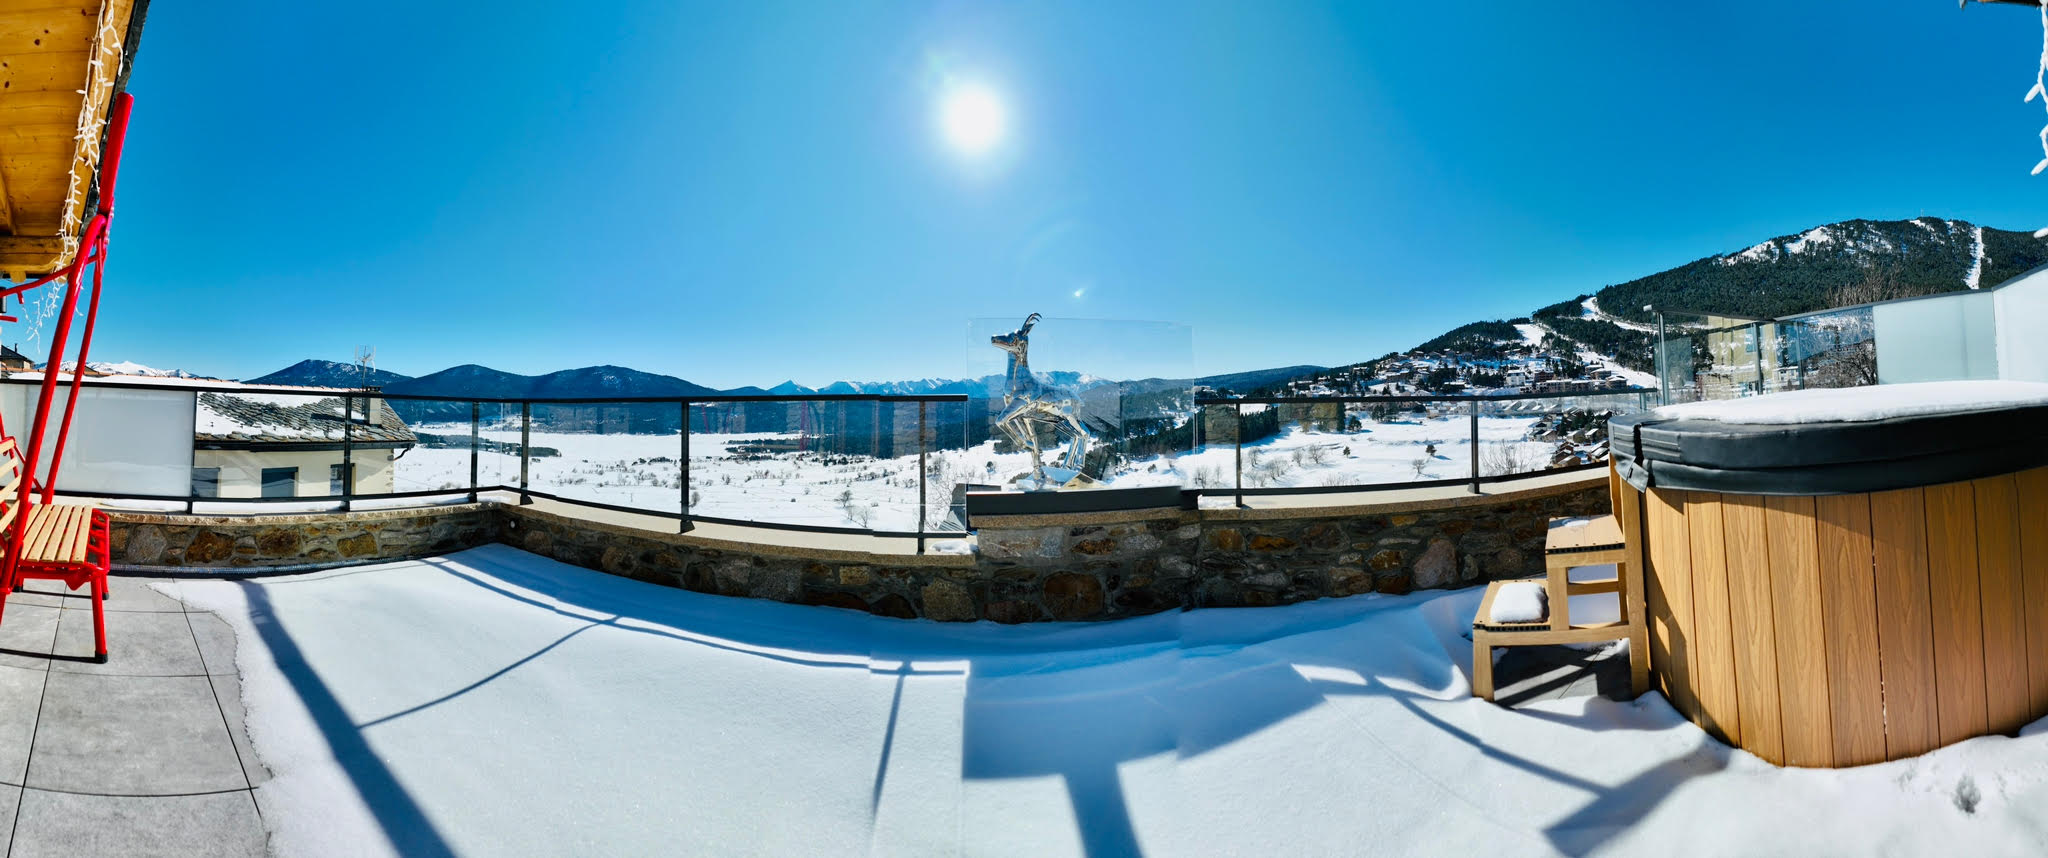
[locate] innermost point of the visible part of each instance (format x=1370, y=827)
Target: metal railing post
x=192, y=491
x=1757, y=334
x=1238, y=409
x=875, y=428
x=525, y=448
x=1663, y=362
x=1475, y=446
x=476, y=415
x=683, y=466
x=348, y=464
x=922, y=520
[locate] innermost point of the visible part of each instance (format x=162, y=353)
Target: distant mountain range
x=1827, y=266
x=1798, y=273
x=470, y=380
x=1789, y=274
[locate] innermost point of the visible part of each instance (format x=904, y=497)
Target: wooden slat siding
x=1634, y=605
x=1801, y=628
x=1670, y=599
x=1848, y=597
x=1751, y=615
x=2033, y=524
x=1956, y=600
x=49, y=71
x=31, y=30
x=2003, y=603
x=1905, y=636
x=1713, y=652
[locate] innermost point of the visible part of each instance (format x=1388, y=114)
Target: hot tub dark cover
x=1827, y=458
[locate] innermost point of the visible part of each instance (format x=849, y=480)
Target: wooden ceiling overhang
x=61, y=64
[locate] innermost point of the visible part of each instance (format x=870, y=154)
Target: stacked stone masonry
x=1088, y=567
x=298, y=541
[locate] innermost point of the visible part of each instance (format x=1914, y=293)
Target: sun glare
x=972, y=118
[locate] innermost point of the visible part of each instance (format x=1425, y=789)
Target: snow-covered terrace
x=493, y=702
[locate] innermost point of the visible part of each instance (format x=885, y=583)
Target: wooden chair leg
x=1482, y=666
x=1557, y=588
x=1638, y=660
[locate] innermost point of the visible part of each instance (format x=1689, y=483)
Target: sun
x=972, y=118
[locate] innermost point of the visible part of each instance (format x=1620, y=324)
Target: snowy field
x=495, y=703
x=812, y=488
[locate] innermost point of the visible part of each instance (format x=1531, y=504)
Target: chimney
x=371, y=403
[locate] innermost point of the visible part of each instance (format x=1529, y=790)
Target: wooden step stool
x=1574, y=543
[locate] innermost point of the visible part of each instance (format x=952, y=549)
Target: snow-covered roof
x=258, y=418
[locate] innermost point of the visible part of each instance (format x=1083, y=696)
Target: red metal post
x=110, y=171
x=91, y=249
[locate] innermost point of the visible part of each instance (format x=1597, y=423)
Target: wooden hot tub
x=1841, y=577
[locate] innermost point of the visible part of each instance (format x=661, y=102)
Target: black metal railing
x=858, y=434
x=1475, y=479
x=355, y=417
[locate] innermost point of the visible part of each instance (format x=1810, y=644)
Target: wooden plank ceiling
x=59, y=67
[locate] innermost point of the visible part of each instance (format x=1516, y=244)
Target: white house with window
x=271, y=445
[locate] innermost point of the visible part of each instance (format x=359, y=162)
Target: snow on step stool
x=1520, y=602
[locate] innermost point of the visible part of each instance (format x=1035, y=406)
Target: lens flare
x=972, y=118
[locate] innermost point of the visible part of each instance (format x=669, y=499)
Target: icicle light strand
x=2040, y=91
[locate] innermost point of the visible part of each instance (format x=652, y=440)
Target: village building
x=248, y=445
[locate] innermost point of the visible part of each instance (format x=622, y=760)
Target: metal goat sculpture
x=1030, y=408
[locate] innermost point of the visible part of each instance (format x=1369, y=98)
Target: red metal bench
x=61, y=542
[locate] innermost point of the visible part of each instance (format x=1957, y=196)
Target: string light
x=97, y=95
x=2040, y=91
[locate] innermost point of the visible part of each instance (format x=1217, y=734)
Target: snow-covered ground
x=493, y=702
x=813, y=488
x=1533, y=334
x=1591, y=310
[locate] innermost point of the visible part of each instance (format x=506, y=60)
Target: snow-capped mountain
x=1799, y=272
x=1607, y=334
x=128, y=368
x=327, y=373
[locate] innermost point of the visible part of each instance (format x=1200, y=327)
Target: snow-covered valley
x=730, y=477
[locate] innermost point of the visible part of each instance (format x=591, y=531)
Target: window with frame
x=340, y=479
x=280, y=482
x=206, y=482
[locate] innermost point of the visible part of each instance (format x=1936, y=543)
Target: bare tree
x=1500, y=459
x=1846, y=354
x=1879, y=283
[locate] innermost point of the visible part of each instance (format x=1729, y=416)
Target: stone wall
x=1030, y=568
x=892, y=585
x=1137, y=564
x=148, y=541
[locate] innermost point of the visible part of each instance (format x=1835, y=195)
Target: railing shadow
x=1079, y=702
x=404, y=822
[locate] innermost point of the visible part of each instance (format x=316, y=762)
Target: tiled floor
x=143, y=755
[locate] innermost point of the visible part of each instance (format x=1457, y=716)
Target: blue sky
x=739, y=193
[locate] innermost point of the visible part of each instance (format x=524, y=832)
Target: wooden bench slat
x=58, y=541
x=81, y=530
x=82, y=544
x=57, y=534
x=72, y=549
x=32, y=541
